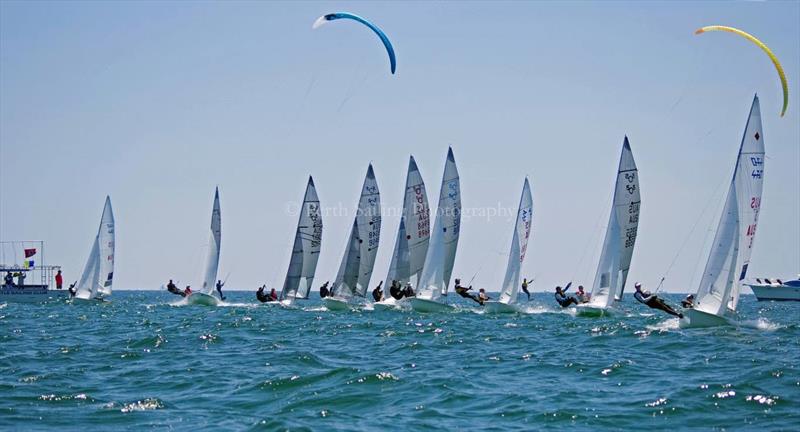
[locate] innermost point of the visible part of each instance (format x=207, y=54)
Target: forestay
x=358, y=261
x=519, y=245
x=413, y=234
x=441, y=255
x=620, y=239
x=306, y=247
x=212, y=256
x=733, y=242
x=98, y=274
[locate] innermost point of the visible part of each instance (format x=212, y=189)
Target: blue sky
x=155, y=103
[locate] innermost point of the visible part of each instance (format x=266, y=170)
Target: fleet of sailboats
x=718, y=294
x=507, y=302
x=206, y=294
x=623, y=224
x=98, y=273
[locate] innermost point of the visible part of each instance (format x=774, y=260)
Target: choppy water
x=139, y=363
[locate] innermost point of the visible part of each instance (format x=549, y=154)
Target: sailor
x=377, y=293
x=187, y=291
x=21, y=278
x=562, y=298
x=273, y=295
x=482, y=297
x=652, y=301
x=261, y=295
x=9, y=279
x=688, y=302
x=525, y=287
x=324, y=291
x=408, y=292
x=464, y=292
x=583, y=296
x=72, y=290
x=174, y=289
x=396, y=290
x=220, y=284
x=59, y=280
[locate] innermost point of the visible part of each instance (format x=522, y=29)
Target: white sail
x=358, y=261
x=98, y=274
x=615, y=258
x=413, y=234
x=519, y=245
x=733, y=242
x=212, y=258
x=438, y=267
x=307, y=244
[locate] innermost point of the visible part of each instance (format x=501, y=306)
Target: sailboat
x=206, y=295
x=358, y=261
x=98, y=274
x=718, y=294
x=441, y=255
x=413, y=236
x=506, y=303
x=623, y=223
x=305, y=251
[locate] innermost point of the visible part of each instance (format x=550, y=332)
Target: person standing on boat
x=464, y=292
x=525, y=288
x=561, y=296
x=396, y=290
x=220, y=284
x=21, y=279
x=324, y=291
x=652, y=301
x=59, y=280
x=377, y=293
x=583, y=296
x=9, y=279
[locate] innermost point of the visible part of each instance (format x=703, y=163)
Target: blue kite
x=345, y=15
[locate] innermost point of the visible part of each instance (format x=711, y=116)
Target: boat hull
x=428, y=306
x=383, y=305
x=26, y=294
x=197, y=298
x=587, y=310
x=693, y=318
x=776, y=292
x=496, y=307
x=336, y=304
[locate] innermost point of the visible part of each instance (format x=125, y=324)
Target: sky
x=156, y=103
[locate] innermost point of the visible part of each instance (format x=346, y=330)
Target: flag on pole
x=30, y=252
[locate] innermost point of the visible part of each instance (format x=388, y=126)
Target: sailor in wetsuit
x=464, y=292
x=261, y=295
x=377, y=293
x=174, y=289
x=409, y=292
x=396, y=291
x=482, y=296
x=220, y=284
x=324, y=291
x=562, y=298
x=652, y=301
x=525, y=287
x=688, y=302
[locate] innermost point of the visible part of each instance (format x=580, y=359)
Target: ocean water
x=140, y=363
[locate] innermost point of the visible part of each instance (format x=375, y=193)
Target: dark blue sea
x=141, y=363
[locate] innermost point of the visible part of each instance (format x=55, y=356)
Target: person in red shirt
x=59, y=280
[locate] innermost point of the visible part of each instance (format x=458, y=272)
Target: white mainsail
x=212, y=258
x=413, y=234
x=519, y=245
x=98, y=274
x=438, y=267
x=307, y=244
x=615, y=258
x=733, y=242
x=358, y=261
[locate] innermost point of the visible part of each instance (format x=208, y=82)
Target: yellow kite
x=766, y=49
